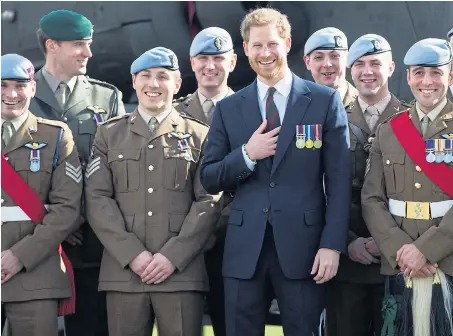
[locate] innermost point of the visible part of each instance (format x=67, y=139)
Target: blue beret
x=429, y=52
x=211, y=41
x=450, y=33
x=158, y=57
x=17, y=68
x=327, y=39
x=369, y=44
x=65, y=25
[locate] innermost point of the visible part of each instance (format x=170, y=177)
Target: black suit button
x=265, y=210
x=272, y=184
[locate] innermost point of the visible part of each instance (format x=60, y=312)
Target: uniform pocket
x=125, y=166
x=39, y=181
x=394, y=172
x=177, y=167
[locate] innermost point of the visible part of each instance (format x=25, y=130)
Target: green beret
x=65, y=25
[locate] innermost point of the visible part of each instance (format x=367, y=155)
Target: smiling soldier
x=147, y=206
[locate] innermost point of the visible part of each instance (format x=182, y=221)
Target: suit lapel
x=413, y=115
x=23, y=134
x=168, y=125
x=438, y=125
x=195, y=109
x=79, y=94
x=356, y=117
x=250, y=110
x=45, y=94
x=138, y=125
x=295, y=111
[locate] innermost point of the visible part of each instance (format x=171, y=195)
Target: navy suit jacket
x=290, y=190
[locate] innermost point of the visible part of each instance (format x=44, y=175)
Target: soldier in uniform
x=355, y=295
x=65, y=93
x=41, y=195
x=407, y=198
x=147, y=206
x=325, y=55
x=450, y=40
x=212, y=58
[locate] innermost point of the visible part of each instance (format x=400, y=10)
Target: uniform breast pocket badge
x=35, y=155
x=309, y=136
x=97, y=113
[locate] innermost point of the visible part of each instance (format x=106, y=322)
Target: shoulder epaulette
x=99, y=82
x=116, y=118
x=408, y=105
x=188, y=116
x=182, y=99
x=392, y=117
x=55, y=123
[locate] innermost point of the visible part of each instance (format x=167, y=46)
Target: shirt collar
x=53, y=82
x=18, y=122
x=432, y=115
x=380, y=105
x=147, y=117
x=283, y=86
x=215, y=99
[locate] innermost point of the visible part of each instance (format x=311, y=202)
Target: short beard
x=269, y=76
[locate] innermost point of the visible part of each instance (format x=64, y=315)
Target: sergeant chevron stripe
x=92, y=167
x=73, y=172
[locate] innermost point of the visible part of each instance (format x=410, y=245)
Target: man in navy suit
x=274, y=143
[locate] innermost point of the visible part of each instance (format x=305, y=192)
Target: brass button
x=387, y=162
x=150, y=213
x=120, y=156
x=3, y=200
x=6, y=158
x=150, y=190
x=418, y=185
x=417, y=168
x=65, y=119
x=150, y=146
x=151, y=168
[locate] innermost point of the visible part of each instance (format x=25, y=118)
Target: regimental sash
x=414, y=145
x=25, y=197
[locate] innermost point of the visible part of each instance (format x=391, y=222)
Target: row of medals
x=439, y=157
x=301, y=143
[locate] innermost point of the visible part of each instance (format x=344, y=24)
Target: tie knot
x=153, y=121
x=207, y=105
x=372, y=110
x=271, y=91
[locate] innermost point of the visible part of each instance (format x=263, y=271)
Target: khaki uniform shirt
x=88, y=97
x=143, y=192
x=393, y=175
x=359, y=132
x=36, y=246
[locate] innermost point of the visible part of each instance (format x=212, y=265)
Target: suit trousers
x=354, y=309
x=31, y=318
x=176, y=313
x=216, y=295
x=247, y=301
x=90, y=318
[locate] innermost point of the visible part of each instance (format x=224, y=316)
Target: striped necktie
x=272, y=116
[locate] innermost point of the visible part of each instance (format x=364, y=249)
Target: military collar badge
x=35, y=155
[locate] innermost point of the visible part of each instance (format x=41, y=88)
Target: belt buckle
x=418, y=210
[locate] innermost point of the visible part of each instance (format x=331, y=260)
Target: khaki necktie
x=371, y=116
x=62, y=94
x=153, y=124
x=424, y=124
x=208, y=109
x=7, y=132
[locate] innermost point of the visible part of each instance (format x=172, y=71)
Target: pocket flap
x=235, y=217
x=191, y=154
x=24, y=165
x=313, y=217
x=123, y=154
x=87, y=126
x=176, y=220
x=393, y=158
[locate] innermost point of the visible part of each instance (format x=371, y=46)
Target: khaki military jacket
x=393, y=174
x=191, y=105
x=36, y=246
x=144, y=193
x=360, y=134
x=350, y=96
x=89, y=97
